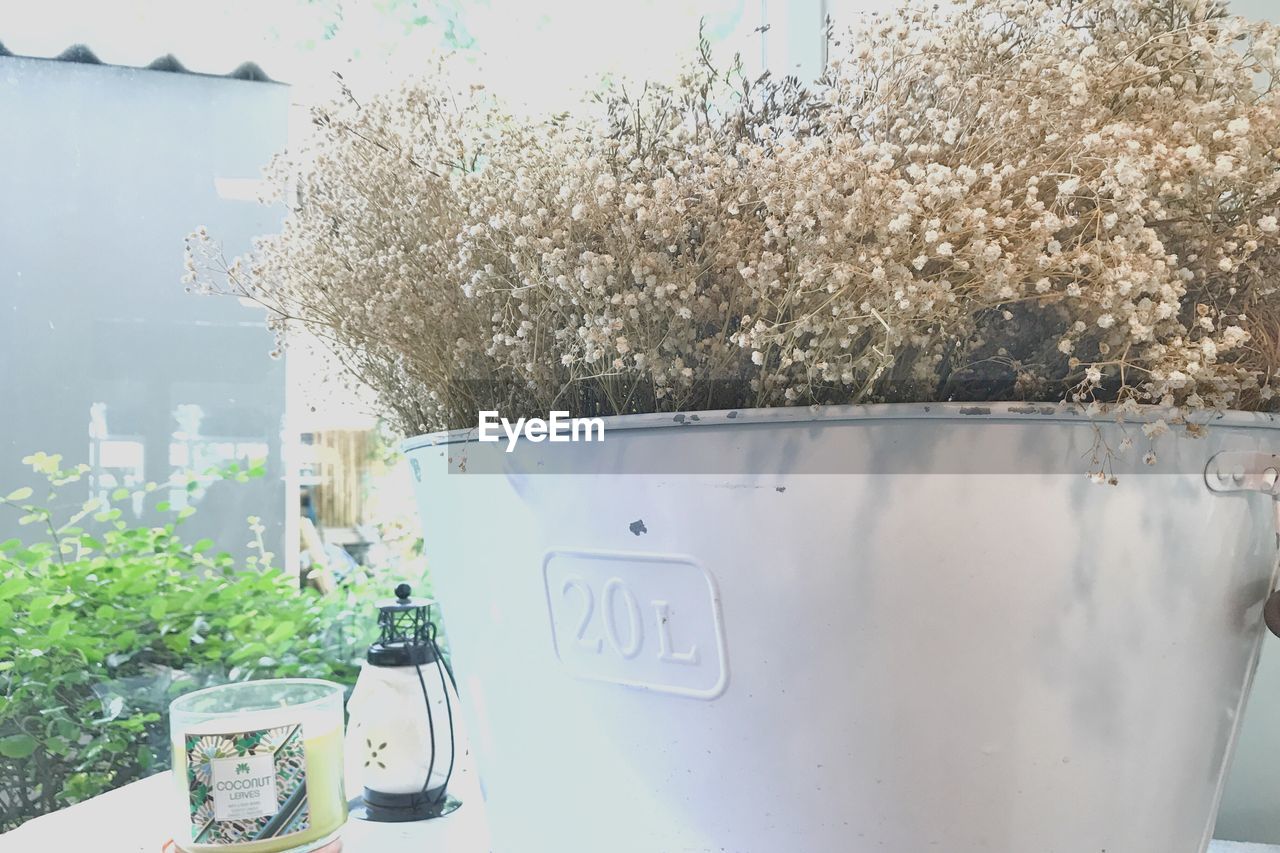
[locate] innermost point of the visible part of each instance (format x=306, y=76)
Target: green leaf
x=17, y=746
x=41, y=607
x=13, y=586
x=60, y=627
x=19, y=494
x=43, y=463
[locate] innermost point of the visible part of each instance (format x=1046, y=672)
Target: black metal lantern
x=401, y=722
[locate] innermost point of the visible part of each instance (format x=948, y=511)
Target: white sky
x=537, y=51
x=531, y=48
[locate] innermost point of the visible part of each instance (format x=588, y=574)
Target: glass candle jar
x=258, y=767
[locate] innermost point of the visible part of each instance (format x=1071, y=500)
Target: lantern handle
x=442, y=668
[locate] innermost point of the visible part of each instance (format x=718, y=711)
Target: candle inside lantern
x=258, y=767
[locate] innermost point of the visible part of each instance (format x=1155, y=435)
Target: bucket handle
x=1250, y=471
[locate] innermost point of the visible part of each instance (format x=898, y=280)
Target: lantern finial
x=406, y=633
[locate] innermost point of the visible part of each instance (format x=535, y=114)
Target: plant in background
x=397, y=533
x=103, y=622
x=1026, y=199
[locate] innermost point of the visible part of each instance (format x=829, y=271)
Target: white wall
x=103, y=171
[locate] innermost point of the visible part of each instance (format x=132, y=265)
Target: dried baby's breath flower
x=1022, y=199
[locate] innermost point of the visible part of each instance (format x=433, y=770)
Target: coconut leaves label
x=247, y=786
x=244, y=787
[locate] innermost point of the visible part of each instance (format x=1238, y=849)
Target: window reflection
x=117, y=461
x=192, y=452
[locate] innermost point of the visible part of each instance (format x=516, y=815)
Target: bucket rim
x=1019, y=412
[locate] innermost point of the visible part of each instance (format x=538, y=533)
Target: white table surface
x=131, y=820
x=125, y=821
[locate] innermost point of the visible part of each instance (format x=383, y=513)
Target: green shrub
x=102, y=622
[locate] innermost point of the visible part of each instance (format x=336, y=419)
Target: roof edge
x=169, y=64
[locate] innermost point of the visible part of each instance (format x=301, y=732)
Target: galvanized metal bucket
x=893, y=628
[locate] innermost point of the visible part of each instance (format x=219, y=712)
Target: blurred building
x=103, y=356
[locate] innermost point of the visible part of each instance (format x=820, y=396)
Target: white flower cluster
x=1017, y=199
